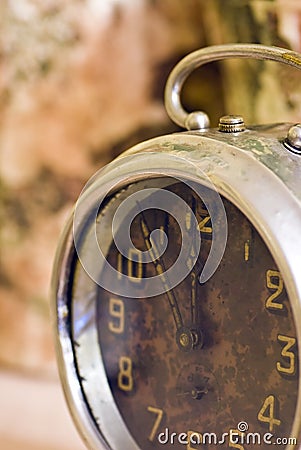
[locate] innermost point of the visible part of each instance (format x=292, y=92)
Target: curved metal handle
x=199, y=119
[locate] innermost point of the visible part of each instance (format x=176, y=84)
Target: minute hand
x=160, y=269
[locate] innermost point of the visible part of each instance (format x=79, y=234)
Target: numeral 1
x=133, y=269
x=247, y=250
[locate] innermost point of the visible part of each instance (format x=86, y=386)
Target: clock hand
x=195, y=332
x=160, y=269
x=193, y=299
x=187, y=338
x=195, y=325
x=196, y=393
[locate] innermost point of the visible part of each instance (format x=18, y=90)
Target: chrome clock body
x=258, y=179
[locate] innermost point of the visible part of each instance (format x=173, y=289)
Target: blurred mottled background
x=80, y=81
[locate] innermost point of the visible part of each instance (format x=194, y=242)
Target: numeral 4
x=267, y=413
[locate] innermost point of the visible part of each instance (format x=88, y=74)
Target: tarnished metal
x=251, y=169
x=293, y=139
x=231, y=350
x=203, y=56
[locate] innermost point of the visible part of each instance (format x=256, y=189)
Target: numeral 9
x=116, y=310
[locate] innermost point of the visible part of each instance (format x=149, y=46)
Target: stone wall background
x=81, y=81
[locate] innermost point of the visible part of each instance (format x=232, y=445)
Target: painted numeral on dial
x=234, y=438
x=274, y=281
x=267, y=413
x=247, y=250
x=290, y=367
x=194, y=438
x=125, y=374
x=131, y=268
x=190, y=214
x=203, y=225
x=159, y=414
x=116, y=310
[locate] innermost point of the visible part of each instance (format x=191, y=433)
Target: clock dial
x=213, y=362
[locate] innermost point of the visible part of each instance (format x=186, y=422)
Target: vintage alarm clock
x=177, y=285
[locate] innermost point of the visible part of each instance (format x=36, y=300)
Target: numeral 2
x=274, y=281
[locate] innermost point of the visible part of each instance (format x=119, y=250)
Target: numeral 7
x=159, y=413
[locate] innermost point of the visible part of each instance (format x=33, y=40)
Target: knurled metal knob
x=231, y=124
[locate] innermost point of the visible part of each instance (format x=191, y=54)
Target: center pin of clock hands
x=196, y=393
x=187, y=338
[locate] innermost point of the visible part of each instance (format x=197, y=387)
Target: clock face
x=202, y=364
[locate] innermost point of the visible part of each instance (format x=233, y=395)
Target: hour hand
x=190, y=338
x=160, y=269
x=195, y=322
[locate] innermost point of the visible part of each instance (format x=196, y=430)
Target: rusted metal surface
x=236, y=368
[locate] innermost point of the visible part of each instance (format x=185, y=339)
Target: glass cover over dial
x=200, y=365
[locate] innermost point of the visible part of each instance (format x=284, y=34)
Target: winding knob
x=231, y=124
